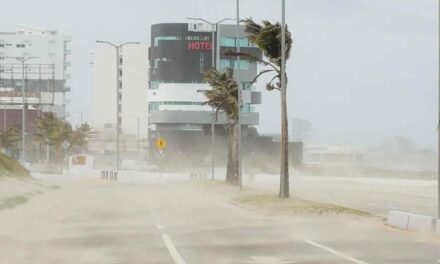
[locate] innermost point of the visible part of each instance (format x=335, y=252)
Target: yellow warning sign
x=161, y=143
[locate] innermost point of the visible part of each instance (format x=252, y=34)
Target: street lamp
x=118, y=101
x=438, y=141
x=23, y=114
x=215, y=65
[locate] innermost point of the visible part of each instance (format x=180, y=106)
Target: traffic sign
x=161, y=143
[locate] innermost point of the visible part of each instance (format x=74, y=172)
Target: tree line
x=50, y=135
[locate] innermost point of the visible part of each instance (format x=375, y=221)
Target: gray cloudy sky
x=361, y=69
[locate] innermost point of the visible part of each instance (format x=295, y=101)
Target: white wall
x=104, y=87
x=134, y=88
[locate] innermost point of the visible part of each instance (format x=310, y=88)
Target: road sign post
x=161, y=144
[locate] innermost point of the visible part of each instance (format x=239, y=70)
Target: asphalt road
x=93, y=221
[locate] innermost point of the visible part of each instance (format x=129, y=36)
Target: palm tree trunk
x=284, y=173
x=232, y=147
x=229, y=174
x=47, y=153
x=235, y=161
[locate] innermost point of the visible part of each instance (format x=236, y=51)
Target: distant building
x=46, y=75
x=301, y=130
x=133, y=111
x=180, y=54
x=332, y=155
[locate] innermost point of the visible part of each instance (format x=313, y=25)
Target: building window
x=227, y=42
x=230, y=42
x=19, y=45
x=245, y=108
x=243, y=65
x=153, y=106
x=154, y=85
x=157, y=39
x=2, y=45
x=246, y=86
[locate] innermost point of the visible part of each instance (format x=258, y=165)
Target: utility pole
x=215, y=65
x=438, y=136
x=118, y=98
x=23, y=113
x=237, y=44
x=284, y=177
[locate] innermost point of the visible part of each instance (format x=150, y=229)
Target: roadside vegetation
x=11, y=168
x=53, y=132
x=261, y=201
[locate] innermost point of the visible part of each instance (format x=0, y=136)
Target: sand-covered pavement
x=95, y=221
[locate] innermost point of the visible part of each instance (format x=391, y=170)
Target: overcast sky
x=361, y=70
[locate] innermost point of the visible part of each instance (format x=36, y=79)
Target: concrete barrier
x=398, y=219
x=421, y=223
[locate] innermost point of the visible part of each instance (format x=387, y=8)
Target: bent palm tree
x=224, y=98
x=79, y=136
x=10, y=137
x=267, y=37
x=52, y=132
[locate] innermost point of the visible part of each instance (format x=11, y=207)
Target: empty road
x=94, y=221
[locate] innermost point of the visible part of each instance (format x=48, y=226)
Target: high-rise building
x=133, y=79
x=46, y=72
x=179, y=55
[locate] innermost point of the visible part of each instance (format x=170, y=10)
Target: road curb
x=398, y=219
x=422, y=224
x=412, y=222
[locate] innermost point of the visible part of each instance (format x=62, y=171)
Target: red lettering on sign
x=199, y=45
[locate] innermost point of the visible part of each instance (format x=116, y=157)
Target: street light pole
x=118, y=101
x=214, y=65
x=23, y=113
x=438, y=136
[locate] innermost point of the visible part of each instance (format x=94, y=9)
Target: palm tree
x=223, y=98
x=52, y=132
x=79, y=136
x=10, y=137
x=267, y=37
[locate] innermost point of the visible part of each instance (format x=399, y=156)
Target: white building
x=134, y=85
x=47, y=77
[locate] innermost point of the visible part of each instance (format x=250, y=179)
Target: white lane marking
x=172, y=249
x=160, y=227
x=334, y=252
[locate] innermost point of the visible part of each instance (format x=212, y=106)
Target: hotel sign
x=199, y=27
